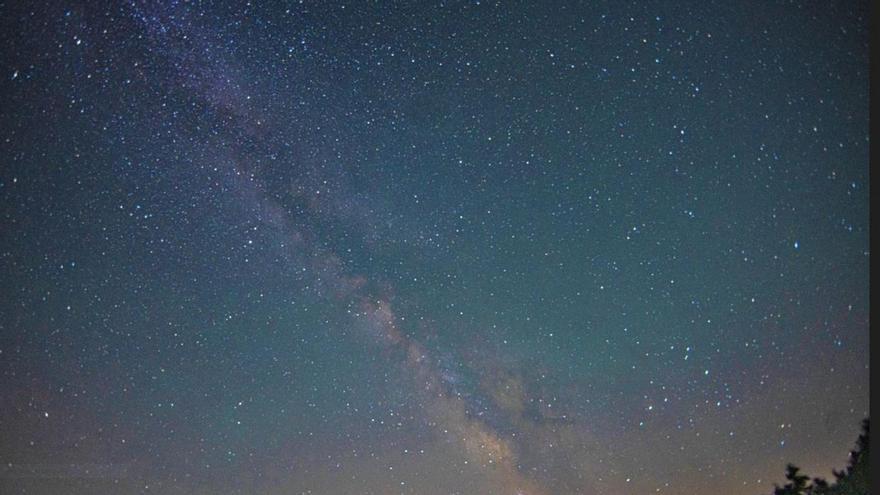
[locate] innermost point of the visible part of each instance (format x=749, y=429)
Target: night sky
x=431, y=248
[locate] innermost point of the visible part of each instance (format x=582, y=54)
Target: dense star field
x=431, y=248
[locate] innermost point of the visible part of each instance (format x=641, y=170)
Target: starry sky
x=431, y=248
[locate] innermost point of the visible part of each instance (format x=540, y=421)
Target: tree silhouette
x=853, y=480
x=797, y=483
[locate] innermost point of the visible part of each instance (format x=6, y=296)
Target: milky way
x=431, y=248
